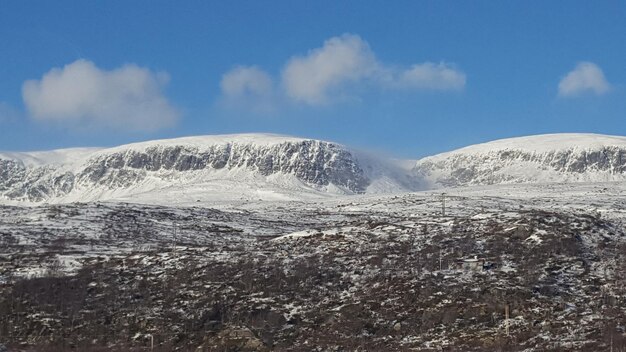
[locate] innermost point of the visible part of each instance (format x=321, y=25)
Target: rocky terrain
x=390, y=273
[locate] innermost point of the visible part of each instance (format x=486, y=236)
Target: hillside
x=250, y=167
x=384, y=273
x=533, y=159
x=238, y=164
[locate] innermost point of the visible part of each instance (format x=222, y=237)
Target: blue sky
x=410, y=78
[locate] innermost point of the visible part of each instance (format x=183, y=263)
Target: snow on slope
x=59, y=157
x=564, y=157
x=249, y=166
x=252, y=167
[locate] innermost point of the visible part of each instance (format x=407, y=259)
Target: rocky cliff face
x=520, y=162
x=125, y=171
x=20, y=182
x=313, y=162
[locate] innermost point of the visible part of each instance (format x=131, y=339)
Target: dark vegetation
x=373, y=283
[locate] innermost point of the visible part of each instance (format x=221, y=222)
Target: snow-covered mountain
x=265, y=166
x=533, y=159
x=202, y=165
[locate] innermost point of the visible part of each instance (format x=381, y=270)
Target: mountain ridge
x=325, y=166
x=566, y=157
x=543, y=143
x=286, y=165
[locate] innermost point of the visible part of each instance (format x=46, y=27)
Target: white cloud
x=310, y=78
x=587, y=77
x=248, y=85
x=334, y=70
x=431, y=76
x=81, y=94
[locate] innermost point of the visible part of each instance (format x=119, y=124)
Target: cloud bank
x=80, y=94
x=587, y=77
x=335, y=69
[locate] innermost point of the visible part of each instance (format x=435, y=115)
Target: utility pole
x=443, y=204
x=506, y=321
x=440, y=259
x=151, y=341
x=175, y=253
